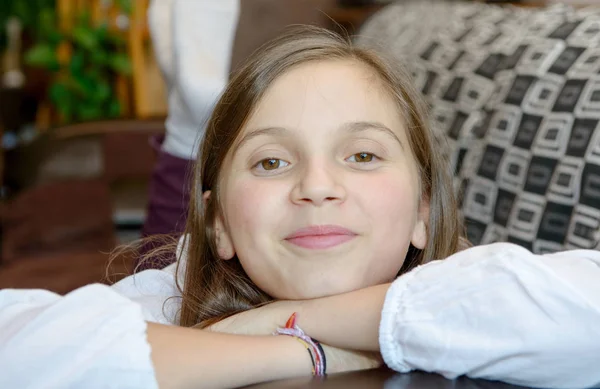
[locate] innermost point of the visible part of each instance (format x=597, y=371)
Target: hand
x=264, y=321
x=258, y=321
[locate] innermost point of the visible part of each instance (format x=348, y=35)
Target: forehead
x=323, y=95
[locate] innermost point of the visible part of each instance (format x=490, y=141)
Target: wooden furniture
x=62, y=272
x=149, y=90
x=59, y=229
x=143, y=95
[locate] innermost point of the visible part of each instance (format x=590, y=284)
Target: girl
x=318, y=177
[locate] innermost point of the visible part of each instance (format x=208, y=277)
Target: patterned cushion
x=515, y=94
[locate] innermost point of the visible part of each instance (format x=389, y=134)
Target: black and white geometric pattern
x=515, y=96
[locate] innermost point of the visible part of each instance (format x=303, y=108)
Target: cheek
x=252, y=209
x=252, y=217
x=391, y=205
x=390, y=200
x=243, y=206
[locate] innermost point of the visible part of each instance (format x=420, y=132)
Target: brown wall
x=262, y=20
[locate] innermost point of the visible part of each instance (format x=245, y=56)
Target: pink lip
x=320, y=237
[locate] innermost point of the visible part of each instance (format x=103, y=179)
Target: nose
x=318, y=184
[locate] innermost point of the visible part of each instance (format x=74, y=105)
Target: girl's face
x=320, y=193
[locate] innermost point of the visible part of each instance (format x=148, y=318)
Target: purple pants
x=169, y=196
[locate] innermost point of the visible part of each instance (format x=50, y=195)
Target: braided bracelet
x=315, y=350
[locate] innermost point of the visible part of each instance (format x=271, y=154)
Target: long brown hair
x=214, y=289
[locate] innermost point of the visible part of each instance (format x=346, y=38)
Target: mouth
x=320, y=237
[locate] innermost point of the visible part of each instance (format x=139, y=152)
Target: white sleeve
x=91, y=337
x=498, y=312
x=156, y=293
x=155, y=290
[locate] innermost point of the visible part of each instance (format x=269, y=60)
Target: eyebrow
x=355, y=127
x=273, y=131
x=351, y=127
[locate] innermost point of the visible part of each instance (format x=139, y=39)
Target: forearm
x=349, y=320
x=190, y=358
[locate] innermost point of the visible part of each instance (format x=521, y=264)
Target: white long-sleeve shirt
x=497, y=312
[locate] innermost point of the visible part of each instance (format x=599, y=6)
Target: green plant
x=82, y=87
x=36, y=17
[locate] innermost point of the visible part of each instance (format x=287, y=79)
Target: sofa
x=514, y=96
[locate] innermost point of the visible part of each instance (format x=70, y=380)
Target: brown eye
x=269, y=164
x=272, y=164
x=363, y=157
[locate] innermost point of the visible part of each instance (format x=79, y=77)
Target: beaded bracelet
x=315, y=350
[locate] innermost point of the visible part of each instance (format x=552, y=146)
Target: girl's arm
x=499, y=312
x=185, y=357
x=349, y=320
x=96, y=336
x=91, y=336
x=496, y=312
x=190, y=358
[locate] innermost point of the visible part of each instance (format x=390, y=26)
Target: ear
x=223, y=242
x=419, y=235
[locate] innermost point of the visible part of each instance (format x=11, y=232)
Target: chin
x=307, y=292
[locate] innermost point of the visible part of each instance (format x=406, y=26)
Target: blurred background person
x=193, y=44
